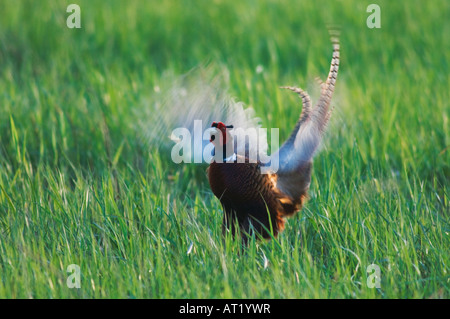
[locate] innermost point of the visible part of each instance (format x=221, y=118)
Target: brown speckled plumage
x=249, y=197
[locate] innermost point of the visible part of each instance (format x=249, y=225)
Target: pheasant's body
x=261, y=202
x=250, y=197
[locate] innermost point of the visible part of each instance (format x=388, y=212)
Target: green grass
x=78, y=185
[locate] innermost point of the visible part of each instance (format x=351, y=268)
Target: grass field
x=78, y=185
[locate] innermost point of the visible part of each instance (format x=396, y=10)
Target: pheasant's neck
x=228, y=154
x=224, y=152
x=230, y=159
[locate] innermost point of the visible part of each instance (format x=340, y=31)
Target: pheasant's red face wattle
x=223, y=129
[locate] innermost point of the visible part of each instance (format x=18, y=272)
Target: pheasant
x=260, y=203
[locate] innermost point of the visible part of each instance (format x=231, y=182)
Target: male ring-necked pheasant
x=261, y=202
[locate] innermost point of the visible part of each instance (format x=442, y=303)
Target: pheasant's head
x=220, y=136
x=222, y=139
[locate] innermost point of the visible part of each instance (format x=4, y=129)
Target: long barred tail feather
x=295, y=155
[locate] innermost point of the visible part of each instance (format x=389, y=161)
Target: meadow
x=79, y=184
